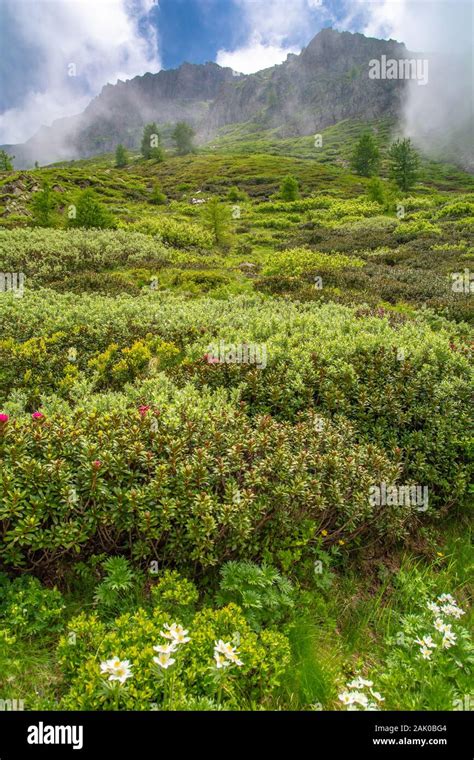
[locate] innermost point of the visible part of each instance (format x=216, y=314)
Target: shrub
x=235, y=194
x=172, y=592
x=191, y=677
x=28, y=609
x=157, y=196
x=456, y=210
x=264, y=595
x=300, y=261
x=46, y=255
x=289, y=190
x=179, y=234
x=115, y=367
x=411, y=230
x=154, y=487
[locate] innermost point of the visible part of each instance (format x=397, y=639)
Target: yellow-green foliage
x=299, y=261
x=117, y=366
x=194, y=675
x=172, y=232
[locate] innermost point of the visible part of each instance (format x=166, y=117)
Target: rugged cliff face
x=327, y=82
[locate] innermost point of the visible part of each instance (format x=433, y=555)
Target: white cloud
x=425, y=25
x=275, y=28
x=439, y=116
x=101, y=39
x=254, y=56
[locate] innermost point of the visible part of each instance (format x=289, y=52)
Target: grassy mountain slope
x=149, y=471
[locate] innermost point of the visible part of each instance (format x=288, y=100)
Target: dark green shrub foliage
x=289, y=189
x=91, y=213
x=264, y=595
x=157, y=489
x=29, y=609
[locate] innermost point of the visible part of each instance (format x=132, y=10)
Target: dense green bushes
x=47, y=255
x=28, y=609
x=401, y=383
x=155, y=484
x=172, y=232
x=298, y=261
x=186, y=485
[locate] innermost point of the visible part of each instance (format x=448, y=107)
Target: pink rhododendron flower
x=211, y=359
x=97, y=463
x=143, y=409
x=37, y=415
x=4, y=417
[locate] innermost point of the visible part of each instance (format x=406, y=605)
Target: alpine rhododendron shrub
x=187, y=485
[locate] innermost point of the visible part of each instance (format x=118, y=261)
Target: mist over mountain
x=327, y=82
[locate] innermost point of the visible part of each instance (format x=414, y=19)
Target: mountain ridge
x=325, y=83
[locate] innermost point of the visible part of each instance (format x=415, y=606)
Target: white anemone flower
x=449, y=639
x=221, y=660
x=377, y=696
x=446, y=598
x=175, y=632
x=166, y=648
x=426, y=641
x=108, y=665
x=346, y=698
x=359, y=683
x=451, y=610
x=118, y=670
x=164, y=660
x=234, y=659
x=229, y=652
x=433, y=607
x=440, y=625
x=360, y=698
x=425, y=653
x=224, y=647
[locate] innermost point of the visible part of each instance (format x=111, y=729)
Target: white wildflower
x=175, y=632
x=164, y=660
x=117, y=670
x=346, y=697
x=426, y=641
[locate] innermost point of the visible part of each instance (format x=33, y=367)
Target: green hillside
x=199, y=401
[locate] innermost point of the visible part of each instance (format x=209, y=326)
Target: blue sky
x=192, y=31
x=58, y=54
